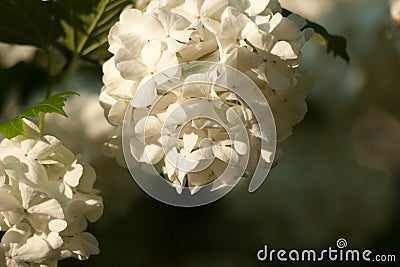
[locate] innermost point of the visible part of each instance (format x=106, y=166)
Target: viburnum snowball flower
x=251, y=36
x=46, y=201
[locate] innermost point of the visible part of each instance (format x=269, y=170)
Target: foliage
x=83, y=25
x=333, y=43
x=53, y=104
x=29, y=22
x=86, y=24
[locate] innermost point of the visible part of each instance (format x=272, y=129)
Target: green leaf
x=29, y=22
x=53, y=104
x=333, y=43
x=86, y=24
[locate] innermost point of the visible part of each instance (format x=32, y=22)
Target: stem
x=41, y=124
x=54, y=80
x=43, y=115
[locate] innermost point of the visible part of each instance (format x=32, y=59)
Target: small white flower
x=230, y=37
x=81, y=246
x=154, y=58
x=23, y=158
x=144, y=144
x=21, y=248
x=28, y=204
x=203, y=13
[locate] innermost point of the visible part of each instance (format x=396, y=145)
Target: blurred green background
x=339, y=176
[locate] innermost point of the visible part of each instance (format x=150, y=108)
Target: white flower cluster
x=249, y=35
x=46, y=201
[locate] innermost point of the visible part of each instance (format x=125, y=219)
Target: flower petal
x=57, y=225
x=189, y=141
x=73, y=175
x=148, y=26
x=7, y=201
x=133, y=69
x=87, y=180
x=55, y=241
x=284, y=50
x=36, y=249
x=83, y=245
x=256, y=7
x=17, y=234
x=151, y=53
x=49, y=207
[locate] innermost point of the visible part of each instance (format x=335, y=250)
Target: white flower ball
x=251, y=36
x=46, y=201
